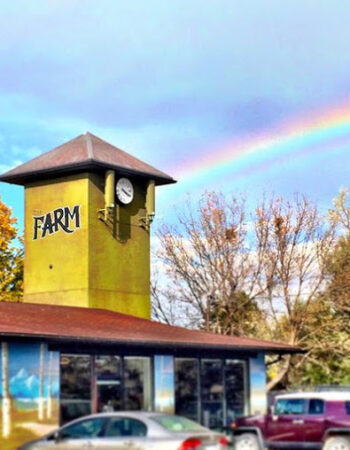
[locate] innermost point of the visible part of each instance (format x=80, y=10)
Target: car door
x=123, y=433
x=314, y=421
x=79, y=435
x=286, y=424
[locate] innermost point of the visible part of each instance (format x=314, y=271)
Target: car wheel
x=337, y=443
x=247, y=441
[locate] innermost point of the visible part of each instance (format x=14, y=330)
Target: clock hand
x=125, y=192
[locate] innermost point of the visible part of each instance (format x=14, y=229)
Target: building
x=82, y=341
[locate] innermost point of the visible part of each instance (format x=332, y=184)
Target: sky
x=240, y=96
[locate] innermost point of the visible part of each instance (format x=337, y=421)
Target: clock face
x=124, y=191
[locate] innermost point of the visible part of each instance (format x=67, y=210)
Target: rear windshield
x=177, y=424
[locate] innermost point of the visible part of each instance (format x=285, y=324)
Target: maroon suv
x=309, y=420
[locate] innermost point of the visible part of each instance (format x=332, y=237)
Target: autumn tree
x=259, y=275
x=211, y=269
x=11, y=257
x=329, y=361
x=294, y=243
x=339, y=261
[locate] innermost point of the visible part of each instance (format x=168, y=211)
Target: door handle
x=298, y=421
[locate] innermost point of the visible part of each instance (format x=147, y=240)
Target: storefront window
x=212, y=392
x=137, y=383
x=108, y=368
x=186, y=388
x=108, y=372
x=75, y=386
x=235, y=388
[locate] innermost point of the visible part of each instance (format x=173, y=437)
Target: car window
x=88, y=428
x=316, y=406
x=286, y=406
x=125, y=426
x=347, y=406
x=177, y=424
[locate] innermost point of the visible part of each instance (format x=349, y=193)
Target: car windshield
x=177, y=424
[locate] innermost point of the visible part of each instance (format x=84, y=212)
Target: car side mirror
x=57, y=436
x=272, y=410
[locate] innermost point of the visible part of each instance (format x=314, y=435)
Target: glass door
x=212, y=390
x=235, y=387
x=109, y=389
x=187, y=388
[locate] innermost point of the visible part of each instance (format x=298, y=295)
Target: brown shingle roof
x=103, y=326
x=83, y=153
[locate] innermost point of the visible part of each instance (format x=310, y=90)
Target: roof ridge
x=89, y=145
x=129, y=155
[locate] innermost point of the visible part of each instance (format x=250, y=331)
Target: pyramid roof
x=85, y=152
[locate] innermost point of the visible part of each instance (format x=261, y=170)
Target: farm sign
x=64, y=218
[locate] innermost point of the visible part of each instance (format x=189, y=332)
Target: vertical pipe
x=109, y=189
x=150, y=200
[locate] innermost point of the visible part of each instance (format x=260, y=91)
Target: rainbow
x=320, y=131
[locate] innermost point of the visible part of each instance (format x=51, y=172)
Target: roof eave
x=156, y=344
x=27, y=177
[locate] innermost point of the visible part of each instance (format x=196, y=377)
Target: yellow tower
x=88, y=210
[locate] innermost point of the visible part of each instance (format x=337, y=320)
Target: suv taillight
x=223, y=443
x=191, y=444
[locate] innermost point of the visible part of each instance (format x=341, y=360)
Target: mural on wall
x=29, y=392
x=258, y=397
x=164, y=383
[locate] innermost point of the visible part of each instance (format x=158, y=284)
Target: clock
x=124, y=190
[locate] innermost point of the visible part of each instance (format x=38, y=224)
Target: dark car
x=313, y=420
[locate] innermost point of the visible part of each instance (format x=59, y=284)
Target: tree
x=329, y=361
x=259, y=275
x=294, y=242
x=11, y=257
x=339, y=261
x=210, y=267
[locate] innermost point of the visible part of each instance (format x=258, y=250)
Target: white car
x=131, y=431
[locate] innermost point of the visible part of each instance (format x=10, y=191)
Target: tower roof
x=84, y=152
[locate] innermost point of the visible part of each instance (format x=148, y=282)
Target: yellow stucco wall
x=119, y=260
x=97, y=265
x=56, y=267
